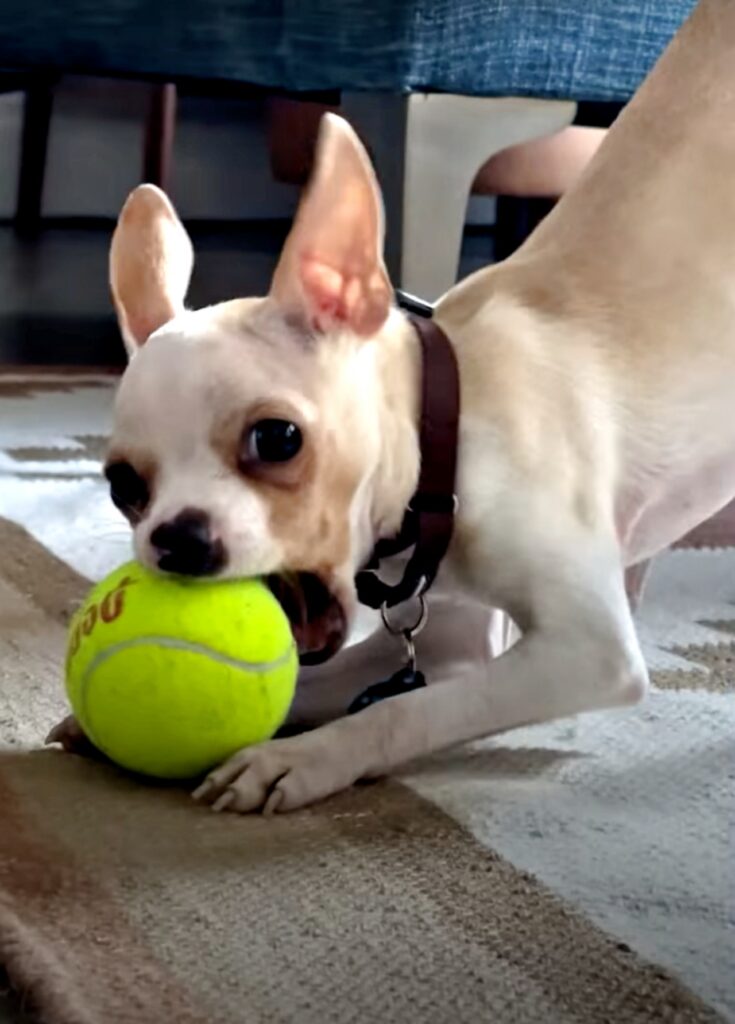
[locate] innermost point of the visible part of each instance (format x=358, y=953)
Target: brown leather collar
x=429, y=520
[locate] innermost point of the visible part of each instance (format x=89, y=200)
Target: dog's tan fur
x=598, y=377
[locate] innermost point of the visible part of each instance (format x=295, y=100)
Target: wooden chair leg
x=34, y=148
x=160, y=129
x=515, y=219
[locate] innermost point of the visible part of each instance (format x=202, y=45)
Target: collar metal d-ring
x=406, y=631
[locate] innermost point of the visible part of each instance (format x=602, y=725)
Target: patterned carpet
x=627, y=817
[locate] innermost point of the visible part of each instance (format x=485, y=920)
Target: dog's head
x=247, y=435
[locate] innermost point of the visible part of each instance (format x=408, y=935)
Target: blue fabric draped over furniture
x=568, y=49
x=450, y=81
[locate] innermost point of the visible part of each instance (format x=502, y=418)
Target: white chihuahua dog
x=279, y=435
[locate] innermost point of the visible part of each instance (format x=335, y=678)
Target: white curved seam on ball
x=172, y=643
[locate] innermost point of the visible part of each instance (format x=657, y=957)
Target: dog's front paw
x=72, y=738
x=281, y=775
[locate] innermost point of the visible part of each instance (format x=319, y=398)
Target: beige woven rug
x=122, y=902
x=404, y=901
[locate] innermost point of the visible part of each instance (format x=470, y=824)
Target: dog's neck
x=398, y=368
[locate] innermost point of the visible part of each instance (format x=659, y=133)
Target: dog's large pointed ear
x=331, y=271
x=151, y=259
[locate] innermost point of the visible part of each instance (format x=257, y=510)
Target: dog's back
x=622, y=303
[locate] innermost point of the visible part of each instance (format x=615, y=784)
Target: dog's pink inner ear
x=360, y=300
x=331, y=272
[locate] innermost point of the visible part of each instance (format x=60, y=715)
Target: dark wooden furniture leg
x=515, y=219
x=39, y=96
x=159, y=135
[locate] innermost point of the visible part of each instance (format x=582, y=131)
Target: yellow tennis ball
x=169, y=676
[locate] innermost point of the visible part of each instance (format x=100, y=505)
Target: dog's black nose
x=185, y=545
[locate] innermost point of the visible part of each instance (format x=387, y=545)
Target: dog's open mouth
x=318, y=618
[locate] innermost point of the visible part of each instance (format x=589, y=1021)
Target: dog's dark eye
x=274, y=441
x=128, y=489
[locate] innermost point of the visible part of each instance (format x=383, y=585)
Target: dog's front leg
x=462, y=633
x=580, y=653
